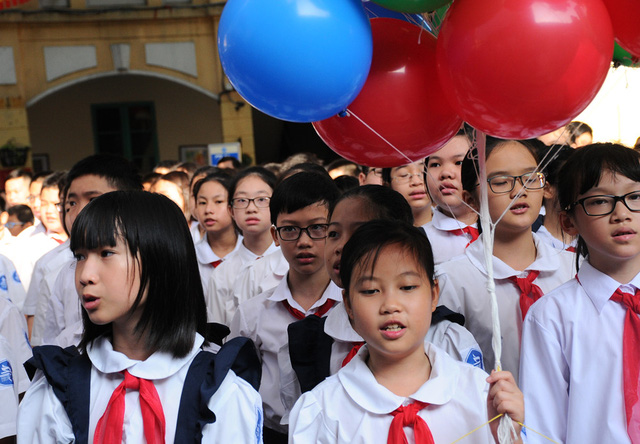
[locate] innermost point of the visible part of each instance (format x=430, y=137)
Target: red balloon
x=521, y=68
x=401, y=102
x=625, y=17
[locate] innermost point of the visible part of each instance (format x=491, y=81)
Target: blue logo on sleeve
x=475, y=358
x=16, y=278
x=6, y=375
x=3, y=283
x=259, y=425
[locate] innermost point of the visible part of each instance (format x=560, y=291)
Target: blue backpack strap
x=309, y=351
x=441, y=313
x=69, y=374
x=205, y=375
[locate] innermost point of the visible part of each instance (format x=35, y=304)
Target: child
x=249, y=197
x=578, y=370
x=144, y=316
x=524, y=267
x=349, y=212
x=299, y=209
x=212, y=212
x=550, y=231
x=408, y=180
x=89, y=178
x=453, y=226
x=396, y=381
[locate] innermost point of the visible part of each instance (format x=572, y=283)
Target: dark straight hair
x=382, y=202
x=300, y=191
x=584, y=169
x=368, y=241
x=158, y=239
x=263, y=174
x=120, y=173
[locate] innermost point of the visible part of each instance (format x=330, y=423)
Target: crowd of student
x=287, y=303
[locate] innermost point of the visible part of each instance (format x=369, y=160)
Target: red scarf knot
x=407, y=416
x=110, y=427
x=352, y=353
x=529, y=292
x=468, y=230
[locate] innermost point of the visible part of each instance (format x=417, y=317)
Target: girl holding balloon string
x=524, y=267
x=580, y=343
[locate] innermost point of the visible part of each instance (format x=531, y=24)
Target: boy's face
x=49, y=214
x=443, y=176
x=304, y=255
x=391, y=305
x=17, y=191
x=83, y=190
x=408, y=181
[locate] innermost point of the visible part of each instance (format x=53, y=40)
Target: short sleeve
x=457, y=341
x=41, y=417
x=238, y=409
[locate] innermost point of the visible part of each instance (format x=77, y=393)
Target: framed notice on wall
x=194, y=153
x=217, y=151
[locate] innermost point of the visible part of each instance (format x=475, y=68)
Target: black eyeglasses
x=604, y=204
x=505, y=184
x=292, y=233
x=242, y=202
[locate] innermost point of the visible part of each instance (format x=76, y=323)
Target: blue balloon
x=296, y=60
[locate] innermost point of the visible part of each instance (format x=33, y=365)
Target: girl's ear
x=347, y=305
x=435, y=295
x=549, y=191
x=470, y=200
x=567, y=224
x=274, y=235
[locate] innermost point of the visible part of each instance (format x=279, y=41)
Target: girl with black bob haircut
x=162, y=250
x=144, y=320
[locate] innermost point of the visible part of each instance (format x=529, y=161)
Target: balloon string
x=351, y=113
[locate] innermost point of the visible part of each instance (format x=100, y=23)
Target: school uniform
x=64, y=308
x=10, y=284
x=265, y=319
x=462, y=283
x=446, y=335
x=13, y=328
x=208, y=260
x=447, y=237
x=263, y=275
x=219, y=298
x=42, y=284
x=548, y=238
x=352, y=407
x=571, y=369
x=27, y=248
x=236, y=405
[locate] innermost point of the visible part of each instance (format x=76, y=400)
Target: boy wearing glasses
x=299, y=210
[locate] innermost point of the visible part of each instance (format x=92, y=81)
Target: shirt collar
x=357, y=380
x=547, y=259
x=282, y=293
x=446, y=223
x=159, y=365
x=205, y=254
x=599, y=287
x=338, y=326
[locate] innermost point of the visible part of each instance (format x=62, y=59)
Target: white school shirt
x=446, y=335
x=571, y=364
x=206, y=256
x=10, y=285
x=42, y=284
x=13, y=328
x=446, y=245
x=264, y=275
x=264, y=319
x=548, y=238
x=351, y=407
x=64, y=308
x=42, y=418
x=8, y=390
x=463, y=289
x=26, y=249
x=219, y=299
